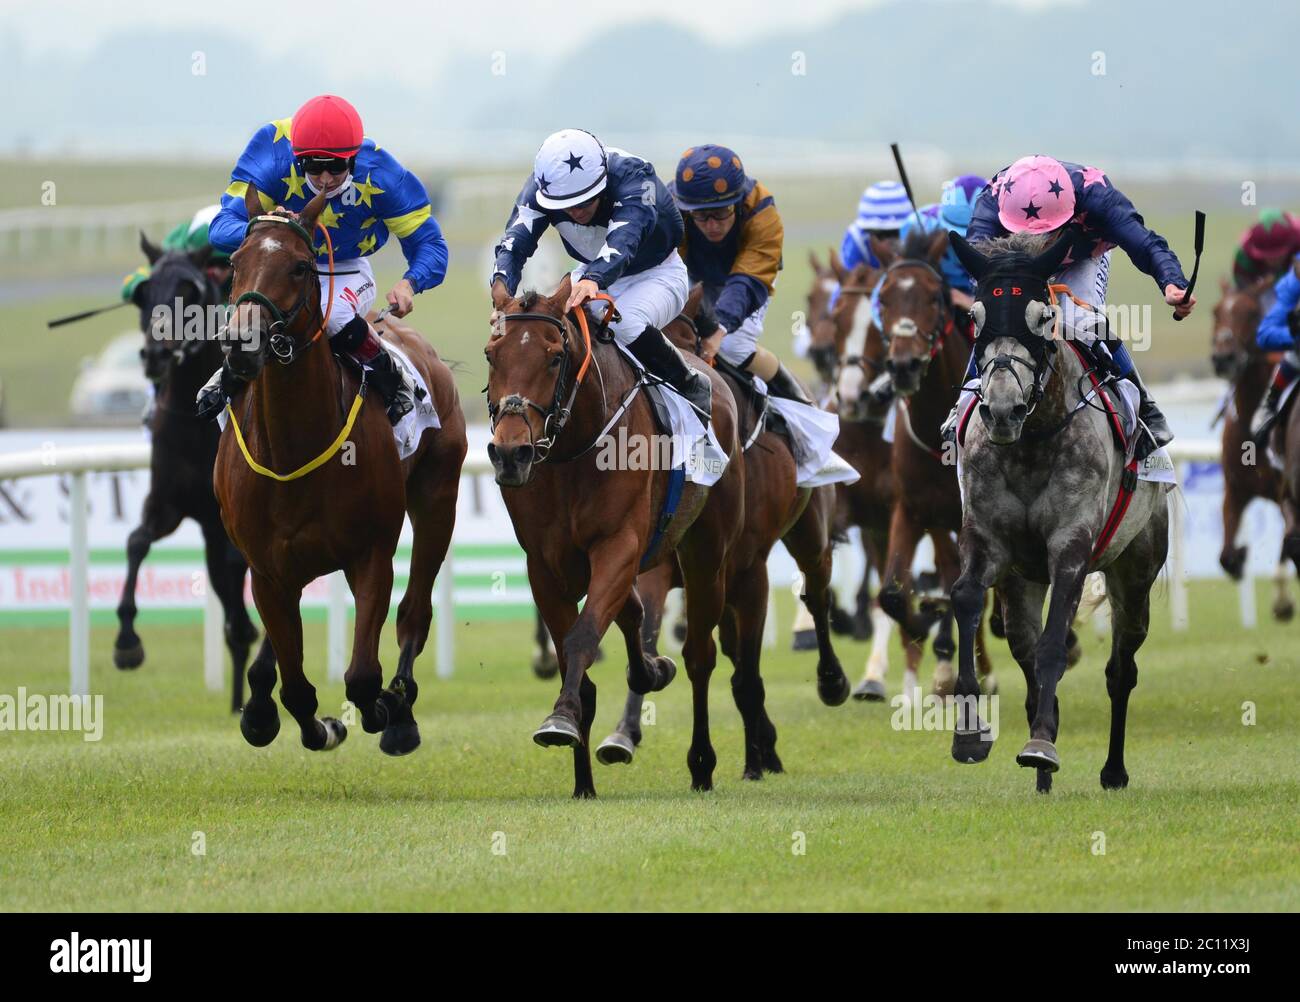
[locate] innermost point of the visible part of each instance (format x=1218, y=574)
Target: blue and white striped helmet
x=883, y=206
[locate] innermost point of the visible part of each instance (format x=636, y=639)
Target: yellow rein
x=337, y=444
x=306, y=468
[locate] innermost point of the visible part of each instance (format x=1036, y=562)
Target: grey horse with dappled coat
x=1040, y=476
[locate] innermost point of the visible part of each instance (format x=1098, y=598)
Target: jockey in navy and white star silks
x=1040, y=194
x=371, y=196
x=617, y=219
x=1277, y=333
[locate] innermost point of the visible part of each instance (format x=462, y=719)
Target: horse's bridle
x=934, y=338
x=556, y=416
x=1041, y=350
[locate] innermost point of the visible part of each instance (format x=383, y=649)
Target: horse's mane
x=916, y=246
x=1015, y=249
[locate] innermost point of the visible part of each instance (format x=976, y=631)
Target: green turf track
x=888, y=820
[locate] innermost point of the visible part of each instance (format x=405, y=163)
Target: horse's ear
x=693, y=301
x=1048, y=263
x=938, y=246
x=816, y=264
x=837, y=266
x=1224, y=285
x=307, y=218
x=252, y=202
x=562, y=291
x=500, y=298
x=971, y=259
x=883, y=252
x=151, y=251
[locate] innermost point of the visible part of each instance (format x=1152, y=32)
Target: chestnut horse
x=923, y=334
x=1238, y=359
x=345, y=513
x=775, y=508
x=557, y=397
x=182, y=451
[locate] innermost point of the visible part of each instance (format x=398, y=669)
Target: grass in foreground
x=888, y=820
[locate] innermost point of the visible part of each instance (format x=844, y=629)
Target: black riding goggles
x=323, y=165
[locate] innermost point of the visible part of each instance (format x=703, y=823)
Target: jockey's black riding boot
x=783, y=384
x=653, y=350
x=1266, y=414
x=360, y=341
x=1150, y=414
x=217, y=391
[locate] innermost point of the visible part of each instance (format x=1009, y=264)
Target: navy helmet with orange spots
x=709, y=177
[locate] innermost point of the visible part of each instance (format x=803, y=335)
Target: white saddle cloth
x=699, y=451
x=813, y=433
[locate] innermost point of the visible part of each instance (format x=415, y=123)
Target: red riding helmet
x=327, y=126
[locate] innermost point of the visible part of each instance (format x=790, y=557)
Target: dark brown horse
x=346, y=513
x=926, y=357
x=775, y=508
x=183, y=450
x=557, y=397
x=1238, y=359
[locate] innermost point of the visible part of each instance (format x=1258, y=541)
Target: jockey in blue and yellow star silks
x=371, y=196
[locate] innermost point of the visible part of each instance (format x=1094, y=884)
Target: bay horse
x=775, y=508
x=1048, y=498
x=925, y=353
x=346, y=510
x=1238, y=358
x=556, y=395
x=183, y=450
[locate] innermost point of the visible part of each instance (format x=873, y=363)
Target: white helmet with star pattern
x=570, y=168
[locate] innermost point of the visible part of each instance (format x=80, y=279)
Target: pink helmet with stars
x=1035, y=194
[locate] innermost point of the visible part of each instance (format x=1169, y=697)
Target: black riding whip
x=1199, y=244
x=907, y=185
x=83, y=316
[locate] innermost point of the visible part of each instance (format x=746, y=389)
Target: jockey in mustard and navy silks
x=616, y=218
x=1267, y=249
x=1039, y=194
x=1277, y=332
x=190, y=236
x=371, y=195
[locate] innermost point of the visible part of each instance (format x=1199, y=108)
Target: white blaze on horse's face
x=852, y=379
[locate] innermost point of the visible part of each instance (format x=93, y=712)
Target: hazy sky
x=406, y=38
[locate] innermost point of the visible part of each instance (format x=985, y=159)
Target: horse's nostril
x=914, y=364
x=1019, y=412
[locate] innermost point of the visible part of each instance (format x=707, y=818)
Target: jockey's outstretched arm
x=524, y=228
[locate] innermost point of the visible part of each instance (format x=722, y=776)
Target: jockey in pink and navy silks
x=371, y=197
x=1040, y=194
x=617, y=219
x=1277, y=331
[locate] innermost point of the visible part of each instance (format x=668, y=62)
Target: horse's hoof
x=665, y=670
x=400, y=739
x=1113, y=779
x=129, y=657
x=1283, y=611
x=870, y=690
x=259, y=733
x=545, y=665
x=617, y=749
x=701, y=785
x=804, y=640
x=752, y=773
x=970, y=747
x=336, y=733
x=772, y=762
x=833, y=690
x=989, y=685
x=1039, y=754
x=944, y=687
x=558, y=732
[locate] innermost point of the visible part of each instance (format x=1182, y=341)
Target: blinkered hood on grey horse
x=1013, y=327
